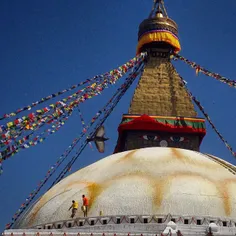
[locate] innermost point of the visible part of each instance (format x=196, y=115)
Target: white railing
x=157, y=219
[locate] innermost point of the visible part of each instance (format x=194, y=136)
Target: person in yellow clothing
x=74, y=207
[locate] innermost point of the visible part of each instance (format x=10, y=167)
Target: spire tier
x=160, y=90
x=158, y=28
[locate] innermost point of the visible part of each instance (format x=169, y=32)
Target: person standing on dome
x=74, y=207
x=85, y=205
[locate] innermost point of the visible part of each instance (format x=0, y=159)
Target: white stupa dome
x=148, y=181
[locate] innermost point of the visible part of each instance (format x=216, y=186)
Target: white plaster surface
x=146, y=181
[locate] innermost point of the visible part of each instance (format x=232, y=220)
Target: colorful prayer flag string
x=88, y=92
x=112, y=102
x=49, y=173
x=82, y=120
x=32, y=120
x=83, y=124
x=68, y=151
x=24, y=144
x=93, y=90
x=15, y=145
x=119, y=71
x=1, y=169
x=200, y=69
x=201, y=108
x=213, y=126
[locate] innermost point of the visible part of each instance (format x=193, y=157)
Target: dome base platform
x=132, y=226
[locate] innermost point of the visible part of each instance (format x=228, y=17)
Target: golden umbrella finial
x=158, y=9
x=158, y=28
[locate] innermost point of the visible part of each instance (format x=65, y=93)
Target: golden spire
x=158, y=28
x=158, y=9
x=160, y=91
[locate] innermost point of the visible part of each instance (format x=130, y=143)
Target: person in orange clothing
x=74, y=207
x=85, y=205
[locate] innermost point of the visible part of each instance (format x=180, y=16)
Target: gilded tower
x=161, y=113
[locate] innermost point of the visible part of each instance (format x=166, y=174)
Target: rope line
x=198, y=68
x=42, y=100
x=93, y=90
x=123, y=89
x=198, y=104
x=61, y=160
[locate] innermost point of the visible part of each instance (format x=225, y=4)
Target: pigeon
x=99, y=139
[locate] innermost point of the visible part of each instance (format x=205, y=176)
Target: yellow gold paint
x=160, y=189
x=94, y=190
x=224, y=192
x=44, y=200
x=37, y=208
x=220, y=185
x=168, y=117
x=177, y=154
x=160, y=185
x=72, y=184
x=223, y=163
x=127, y=157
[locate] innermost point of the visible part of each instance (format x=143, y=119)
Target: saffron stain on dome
x=224, y=191
x=127, y=157
x=223, y=163
x=37, y=208
x=51, y=194
x=160, y=184
x=94, y=190
x=220, y=185
x=160, y=189
x=192, y=161
x=177, y=154
x=72, y=184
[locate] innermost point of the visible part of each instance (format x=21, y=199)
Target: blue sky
x=47, y=46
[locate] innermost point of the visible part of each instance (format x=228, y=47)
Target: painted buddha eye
x=177, y=139
x=150, y=137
